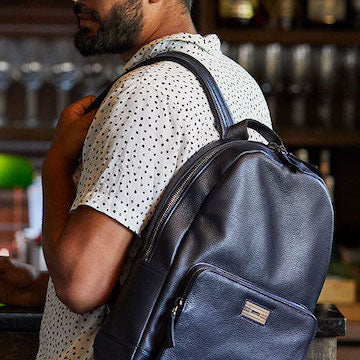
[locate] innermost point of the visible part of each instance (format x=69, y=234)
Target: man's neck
x=185, y=26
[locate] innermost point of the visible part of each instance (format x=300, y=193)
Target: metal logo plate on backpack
x=255, y=312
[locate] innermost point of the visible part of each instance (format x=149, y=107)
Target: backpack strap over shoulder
x=222, y=114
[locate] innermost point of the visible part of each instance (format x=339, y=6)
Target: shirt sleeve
x=129, y=155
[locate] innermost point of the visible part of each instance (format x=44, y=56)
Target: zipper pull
x=284, y=155
x=312, y=167
x=170, y=333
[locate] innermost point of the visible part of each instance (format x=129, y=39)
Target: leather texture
x=252, y=210
x=215, y=300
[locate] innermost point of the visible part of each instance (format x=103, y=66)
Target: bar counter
x=19, y=328
x=19, y=332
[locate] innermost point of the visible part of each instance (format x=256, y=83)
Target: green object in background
x=15, y=172
x=2, y=305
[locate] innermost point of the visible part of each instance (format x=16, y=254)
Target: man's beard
x=119, y=31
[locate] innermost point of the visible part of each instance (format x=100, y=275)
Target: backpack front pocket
x=220, y=316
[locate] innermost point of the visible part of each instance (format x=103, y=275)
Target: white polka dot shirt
x=151, y=122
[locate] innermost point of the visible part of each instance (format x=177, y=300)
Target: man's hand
x=70, y=133
x=21, y=284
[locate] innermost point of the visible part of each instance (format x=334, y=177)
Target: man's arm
x=84, y=251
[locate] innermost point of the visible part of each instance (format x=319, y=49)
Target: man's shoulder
x=169, y=73
x=170, y=80
x=153, y=76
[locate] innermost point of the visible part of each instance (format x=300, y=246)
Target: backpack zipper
x=176, y=195
x=280, y=150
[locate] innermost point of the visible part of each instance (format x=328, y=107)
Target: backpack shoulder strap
x=222, y=114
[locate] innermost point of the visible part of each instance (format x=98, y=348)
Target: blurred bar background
x=305, y=55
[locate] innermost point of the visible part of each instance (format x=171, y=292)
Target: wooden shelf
x=42, y=18
x=314, y=37
x=319, y=137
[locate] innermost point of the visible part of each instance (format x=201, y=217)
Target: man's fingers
x=4, y=264
x=88, y=118
x=77, y=109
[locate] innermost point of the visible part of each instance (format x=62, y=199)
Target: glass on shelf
x=350, y=92
x=94, y=75
x=246, y=57
x=272, y=84
x=326, y=80
x=113, y=66
x=299, y=84
x=64, y=72
x=31, y=57
x=6, y=76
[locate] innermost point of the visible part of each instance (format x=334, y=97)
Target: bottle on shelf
x=290, y=15
x=302, y=154
x=284, y=14
x=325, y=171
x=326, y=13
x=241, y=13
x=354, y=14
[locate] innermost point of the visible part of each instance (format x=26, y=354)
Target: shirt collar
x=175, y=42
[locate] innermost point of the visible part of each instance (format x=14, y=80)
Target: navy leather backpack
x=234, y=258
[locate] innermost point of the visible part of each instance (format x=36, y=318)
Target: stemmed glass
x=95, y=77
x=33, y=74
x=326, y=85
x=350, y=89
x=299, y=83
x=246, y=57
x=6, y=75
x=273, y=84
x=113, y=67
x=64, y=72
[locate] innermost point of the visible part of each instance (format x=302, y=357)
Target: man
x=152, y=121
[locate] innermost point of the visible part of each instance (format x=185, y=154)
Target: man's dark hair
x=187, y=4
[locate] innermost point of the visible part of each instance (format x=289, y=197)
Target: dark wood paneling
x=46, y=18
